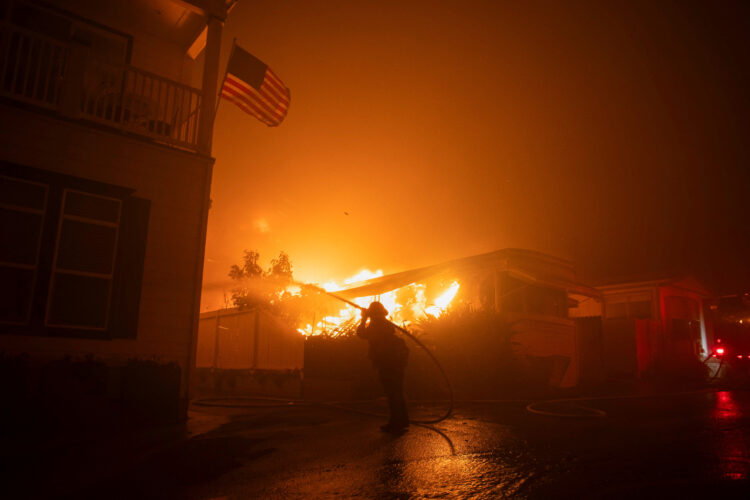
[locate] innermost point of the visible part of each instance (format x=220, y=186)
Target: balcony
x=64, y=78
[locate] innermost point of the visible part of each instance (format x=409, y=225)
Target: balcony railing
x=143, y=103
x=45, y=72
x=32, y=67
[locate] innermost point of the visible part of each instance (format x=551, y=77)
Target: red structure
x=652, y=327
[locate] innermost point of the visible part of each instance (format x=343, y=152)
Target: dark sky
x=610, y=133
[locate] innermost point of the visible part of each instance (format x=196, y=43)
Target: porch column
x=210, y=84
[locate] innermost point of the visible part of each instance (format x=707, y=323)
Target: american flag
x=254, y=88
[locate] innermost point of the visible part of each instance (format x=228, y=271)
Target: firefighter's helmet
x=377, y=309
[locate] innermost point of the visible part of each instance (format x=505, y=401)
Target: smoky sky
x=613, y=134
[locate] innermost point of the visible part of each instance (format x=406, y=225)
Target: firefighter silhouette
x=388, y=354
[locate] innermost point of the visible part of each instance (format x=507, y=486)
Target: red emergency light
x=719, y=351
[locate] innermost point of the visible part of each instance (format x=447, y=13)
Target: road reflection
x=443, y=435
x=730, y=444
x=419, y=465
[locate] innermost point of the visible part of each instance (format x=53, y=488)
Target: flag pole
x=226, y=71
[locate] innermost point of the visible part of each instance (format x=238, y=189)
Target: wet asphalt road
x=687, y=446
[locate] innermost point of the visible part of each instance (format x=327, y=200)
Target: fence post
x=216, y=340
x=256, y=327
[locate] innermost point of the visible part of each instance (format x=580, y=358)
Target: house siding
x=176, y=184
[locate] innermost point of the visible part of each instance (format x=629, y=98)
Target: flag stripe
x=246, y=109
x=274, y=94
x=270, y=104
x=270, y=95
x=249, y=101
x=274, y=80
x=242, y=86
x=252, y=93
x=275, y=77
x=240, y=104
x=274, y=85
x=280, y=106
x=257, y=110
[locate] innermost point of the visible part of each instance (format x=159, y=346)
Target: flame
x=364, y=274
x=400, y=312
x=444, y=300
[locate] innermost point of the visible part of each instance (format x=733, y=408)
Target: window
x=546, y=301
x=617, y=310
x=83, y=267
x=487, y=293
x=521, y=297
x=41, y=47
x=512, y=290
x=105, y=44
x=22, y=211
x=682, y=308
x=637, y=306
x=71, y=255
x=640, y=309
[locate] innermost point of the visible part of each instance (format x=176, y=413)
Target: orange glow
x=400, y=312
x=262, y=226
x=442, y=302
x=362, y=171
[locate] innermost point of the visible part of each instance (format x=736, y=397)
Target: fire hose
x=414, y=339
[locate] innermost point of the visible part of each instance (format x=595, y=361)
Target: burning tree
x=253, y=290
x=275, y=290
x=258, y=288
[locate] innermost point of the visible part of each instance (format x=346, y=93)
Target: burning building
x=529, y=291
